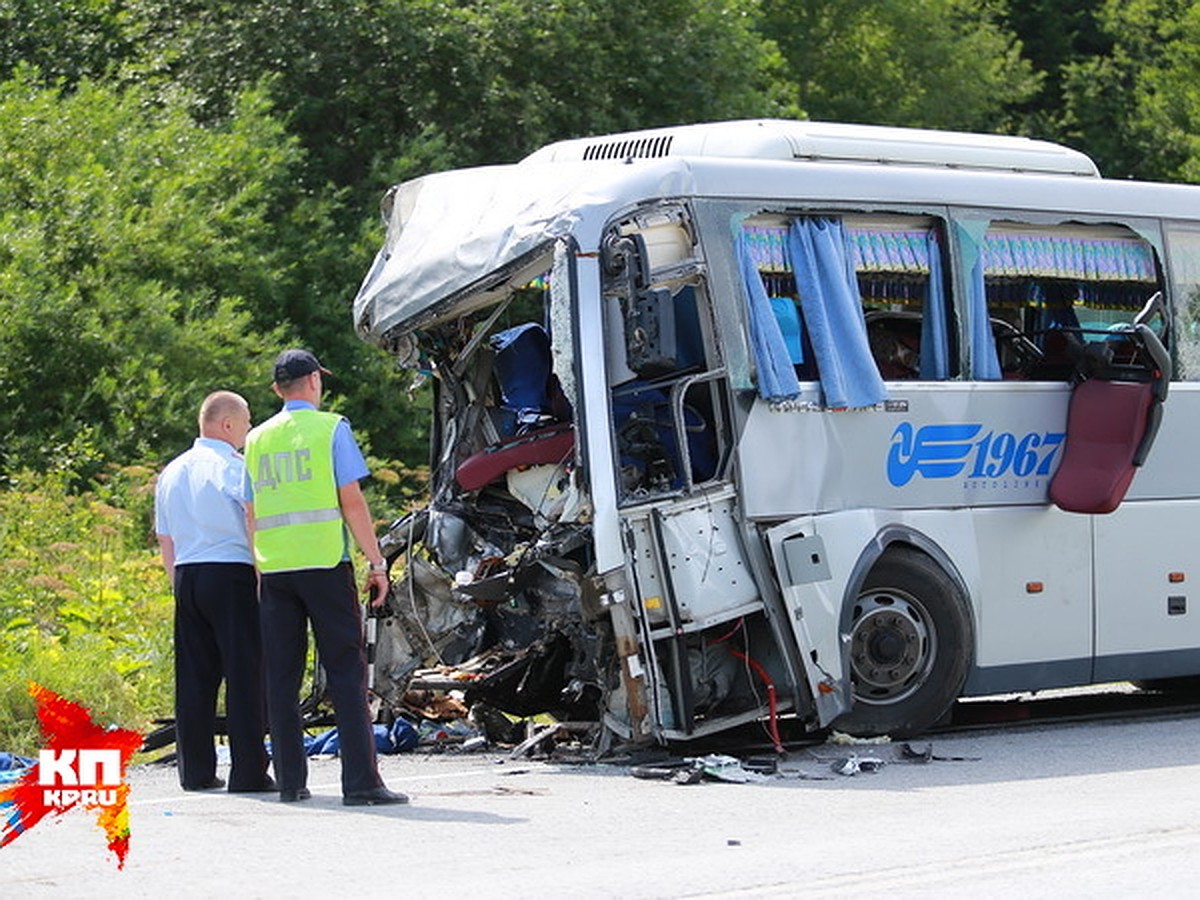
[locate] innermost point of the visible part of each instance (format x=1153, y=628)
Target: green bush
x=85, y=607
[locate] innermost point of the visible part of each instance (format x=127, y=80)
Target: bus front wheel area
x=910, y=647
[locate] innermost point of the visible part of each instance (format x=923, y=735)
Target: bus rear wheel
x=910, y=647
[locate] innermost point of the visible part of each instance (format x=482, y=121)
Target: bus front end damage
x=583, y=552
x=494, y=587
x=494, y=583
x=482, y=600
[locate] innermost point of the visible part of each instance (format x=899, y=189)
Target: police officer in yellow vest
x=302, y=495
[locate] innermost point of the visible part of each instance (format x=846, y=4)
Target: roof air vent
x=644, y=148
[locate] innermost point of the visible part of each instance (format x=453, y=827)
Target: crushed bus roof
x=449, y=230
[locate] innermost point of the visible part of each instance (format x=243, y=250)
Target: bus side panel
x=812, y=584
x=1000, y=556
x=1035, y=575
x=934, y=445
x=1170, y=472
x=1140, y=610
x=1148, y=626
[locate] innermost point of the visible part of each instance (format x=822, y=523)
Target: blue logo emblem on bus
x=945, y=451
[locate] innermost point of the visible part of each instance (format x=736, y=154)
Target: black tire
x=911, y=647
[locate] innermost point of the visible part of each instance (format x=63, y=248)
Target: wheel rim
x=892, y=646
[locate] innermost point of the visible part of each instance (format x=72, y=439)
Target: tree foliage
x=66, y=40
x=929, y=63
x=131, y=242
x=1137, y=106
x=187, y=184
x=84, y=609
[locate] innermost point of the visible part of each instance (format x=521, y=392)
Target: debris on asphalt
x=693, y=770
x=759, y=769
x=839, y=738
x=909, y=753
x=853, y=764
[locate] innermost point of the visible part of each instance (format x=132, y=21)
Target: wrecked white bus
x=769, y=418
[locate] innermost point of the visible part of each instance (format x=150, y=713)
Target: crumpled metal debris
x=436, y=706
x=853, y=764
x=726, y=768
x=902, y=753
x=434, y=733
x=695, y=769
x=910, y=753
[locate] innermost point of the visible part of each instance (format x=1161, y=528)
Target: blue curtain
x=984, y=361
x=777, y=380
x=935, y=348
x=828, y=289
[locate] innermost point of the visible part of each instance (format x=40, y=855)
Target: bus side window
x=895, y=339
x=1184, y=253
x=898, y=261
x=1045, y=284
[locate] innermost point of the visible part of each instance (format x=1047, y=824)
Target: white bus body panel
x=883, y=457
x=1135, y=612
x=995, y=553
x=1047, y=588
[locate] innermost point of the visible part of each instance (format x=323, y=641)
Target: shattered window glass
x=1185, y=270
x=561, y=330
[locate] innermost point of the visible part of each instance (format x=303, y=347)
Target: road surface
x=1079, y=810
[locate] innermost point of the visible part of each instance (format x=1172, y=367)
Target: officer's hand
x=376, y=588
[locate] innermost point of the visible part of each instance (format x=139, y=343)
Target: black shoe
x=379, y=796
x=212, y=784
x=298, y=794
x=265, y=788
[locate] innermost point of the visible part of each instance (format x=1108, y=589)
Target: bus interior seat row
x=531, y=421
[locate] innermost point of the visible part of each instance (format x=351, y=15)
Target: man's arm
x=166, y=547
x=248, y=507
x=358, y=519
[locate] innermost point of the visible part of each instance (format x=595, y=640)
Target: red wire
x=772, y=704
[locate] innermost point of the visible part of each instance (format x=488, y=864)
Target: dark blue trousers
x=327, y=598
x=217, y=638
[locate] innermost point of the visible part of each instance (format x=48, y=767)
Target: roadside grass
x=85, y=608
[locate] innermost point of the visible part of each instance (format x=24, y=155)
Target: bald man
x=200, y=520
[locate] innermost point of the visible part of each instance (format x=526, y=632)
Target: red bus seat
x=1107, y=422
x=546, y=445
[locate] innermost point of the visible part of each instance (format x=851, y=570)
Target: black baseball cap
x=293, y=364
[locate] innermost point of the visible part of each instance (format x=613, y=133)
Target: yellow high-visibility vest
x=297, y=518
